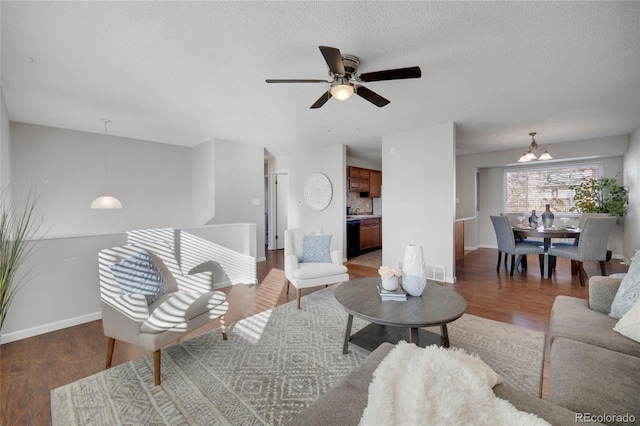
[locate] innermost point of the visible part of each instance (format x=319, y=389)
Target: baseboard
x=261, y=259
x=47, y=328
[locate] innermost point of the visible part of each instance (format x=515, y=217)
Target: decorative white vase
x=414, y=271
x=390, y=283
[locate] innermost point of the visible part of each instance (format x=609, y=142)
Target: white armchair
x=310, y=274
x=180, y=306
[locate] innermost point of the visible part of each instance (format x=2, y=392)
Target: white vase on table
x=414, y=271
x=390, y=283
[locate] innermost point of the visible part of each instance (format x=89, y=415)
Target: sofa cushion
x=629, y=324
x=138, y=275
x=629, y=292
x=316, y=248
x=571, y=318
x=310, y=271
x=590, y=379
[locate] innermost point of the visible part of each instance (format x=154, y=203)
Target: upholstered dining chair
x=507, y=243
x=592, y=245
x=148, y=302
x=310, y=262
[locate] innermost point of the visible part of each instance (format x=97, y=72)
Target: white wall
x=330, y=161
x=632, y=182
x=467, y=165
x=418, y=195
x=152, y=180
x=62, y=289
x=203, y=181
x=5, y=146
x=239, y=186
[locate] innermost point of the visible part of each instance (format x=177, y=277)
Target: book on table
x=397, y=294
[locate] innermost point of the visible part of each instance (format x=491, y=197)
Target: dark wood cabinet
x=365, y=181
x=375, y=184
x=358, y=185
x=370, y=234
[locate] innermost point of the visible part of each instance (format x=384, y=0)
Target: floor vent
x=435, y=273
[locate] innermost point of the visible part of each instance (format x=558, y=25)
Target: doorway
x=279, y=207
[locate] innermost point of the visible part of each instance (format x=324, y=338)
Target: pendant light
x=529, y=155
x=106, y=201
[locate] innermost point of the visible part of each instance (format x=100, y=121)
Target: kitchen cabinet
x=365, y=181
x=375, y=184
x=370, y=234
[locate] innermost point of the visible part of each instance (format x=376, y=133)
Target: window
x=533, y=188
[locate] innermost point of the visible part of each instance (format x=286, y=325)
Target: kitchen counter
x=362, y=216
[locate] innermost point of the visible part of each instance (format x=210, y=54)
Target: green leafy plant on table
x=18, y=226
x=602, y=195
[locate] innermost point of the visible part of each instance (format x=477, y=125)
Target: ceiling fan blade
x=371, y=96
x=397, y=74
x=321, y=100
x=296, y=81
x=334, y=59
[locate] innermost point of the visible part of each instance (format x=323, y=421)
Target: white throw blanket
x=437, y=386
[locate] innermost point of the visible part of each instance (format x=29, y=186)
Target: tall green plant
x=602, y=195
x=18, y=226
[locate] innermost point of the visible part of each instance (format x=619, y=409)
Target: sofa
x=345, y=403
x=594, y=369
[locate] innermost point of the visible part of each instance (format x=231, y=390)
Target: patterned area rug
x=271, y=368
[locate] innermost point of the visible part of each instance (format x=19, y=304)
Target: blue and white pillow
x=138, y=275
x=628, y=292
x=316, y=248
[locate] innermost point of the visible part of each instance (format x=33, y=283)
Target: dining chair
x=592, y=245
x=507, y=244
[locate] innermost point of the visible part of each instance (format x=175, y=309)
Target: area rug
x=272, y=367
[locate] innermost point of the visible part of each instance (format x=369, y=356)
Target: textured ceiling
x=188, y=72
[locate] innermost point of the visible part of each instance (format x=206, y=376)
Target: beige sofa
x=594, y=369
x=343, y=404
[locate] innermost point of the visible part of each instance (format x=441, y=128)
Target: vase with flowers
x=389, y=277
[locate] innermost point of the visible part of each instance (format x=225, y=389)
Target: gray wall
x=632, y=181
x=5, y=145
x=152, y=180
x=239, y=186
x=330, y=161
x=418, y=195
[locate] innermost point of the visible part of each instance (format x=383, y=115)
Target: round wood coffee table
x=390, y=319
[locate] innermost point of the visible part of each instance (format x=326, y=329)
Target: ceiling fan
x=346, y=79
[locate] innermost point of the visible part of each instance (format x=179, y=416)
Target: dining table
x=547, y=234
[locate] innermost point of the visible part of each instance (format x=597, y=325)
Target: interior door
x=281, y=208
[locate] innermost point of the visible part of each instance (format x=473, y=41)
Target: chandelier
x=529, y=155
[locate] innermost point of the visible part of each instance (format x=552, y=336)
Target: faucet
x=356, y=210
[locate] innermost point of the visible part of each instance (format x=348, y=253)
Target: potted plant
x=18, y=225
x=603, y=195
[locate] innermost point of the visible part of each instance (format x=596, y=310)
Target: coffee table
x=390, y=319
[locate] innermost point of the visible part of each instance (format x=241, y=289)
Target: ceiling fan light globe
x=342, y=92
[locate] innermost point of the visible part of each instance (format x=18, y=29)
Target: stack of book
x=397, y=294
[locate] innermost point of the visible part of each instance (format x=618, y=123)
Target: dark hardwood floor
x=30, y=368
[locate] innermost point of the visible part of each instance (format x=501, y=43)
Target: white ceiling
x=188, y=72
